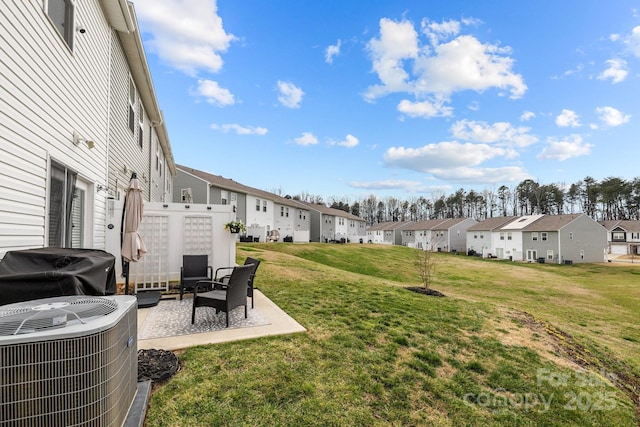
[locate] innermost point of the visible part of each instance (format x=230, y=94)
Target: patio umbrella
x=132, y=245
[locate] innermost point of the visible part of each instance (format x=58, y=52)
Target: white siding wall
x=125, y=155
x=47, y=93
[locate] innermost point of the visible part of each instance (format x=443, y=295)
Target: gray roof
x=552, y=222
x=626, y=225
x=331, y=211
x=389, y=225
x=490, y=224
x=428, y=224
x=229, y=184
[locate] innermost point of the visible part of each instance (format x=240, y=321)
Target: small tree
x=426, y=263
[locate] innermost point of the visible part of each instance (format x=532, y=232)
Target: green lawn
x=378, y=354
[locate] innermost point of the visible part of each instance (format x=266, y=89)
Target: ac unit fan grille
x=88, y=380
x=31, y=316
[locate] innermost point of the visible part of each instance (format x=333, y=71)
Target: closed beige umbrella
x=133, y=247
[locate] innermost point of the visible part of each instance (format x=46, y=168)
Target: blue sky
x=343, y=99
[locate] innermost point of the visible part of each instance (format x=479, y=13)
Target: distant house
x=443, y=235
x=329, y=224
x=482, y=240
x=570, y=238
x=79, y=115
x=260, y=210
x=507, y=239
x=387, y=232
x=451, y=235
x=623, y=237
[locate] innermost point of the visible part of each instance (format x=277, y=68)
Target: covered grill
x=51, y=272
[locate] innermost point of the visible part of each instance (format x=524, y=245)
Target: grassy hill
x=511, y=344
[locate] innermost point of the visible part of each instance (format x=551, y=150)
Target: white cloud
x=187, y=35
x=307, y=138
x=214, y=94
x=499, y=133
x=632, y=41
x=398, y=41
x=439, y=156
x=438, y=70
x=240, y=130
x=566, y=148
x=568, y=118
x=350, y=141
x=443, y=30
x=290, y=95
x=616, y=71
x=424, y=109
x=331, y=52
x=527, y=115
x=612, y=117
x=390, y=184
x=482, y=175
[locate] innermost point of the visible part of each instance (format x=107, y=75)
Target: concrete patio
x=277, y=323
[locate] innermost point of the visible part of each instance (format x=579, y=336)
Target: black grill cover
x=52, y=272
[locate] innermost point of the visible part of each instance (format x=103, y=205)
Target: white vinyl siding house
x=261, y=211
x=49, y=91
x=63, y=93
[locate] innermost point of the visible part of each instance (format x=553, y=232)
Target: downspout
x=559, y=246
x=154, y=125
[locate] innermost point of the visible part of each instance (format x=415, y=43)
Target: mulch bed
x=156, y=365
x=421, y=290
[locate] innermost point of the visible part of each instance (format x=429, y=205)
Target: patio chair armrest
x=220, y=285
x=202, y=285
x=221, y=268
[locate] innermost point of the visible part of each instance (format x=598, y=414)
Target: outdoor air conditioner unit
x=68, y=361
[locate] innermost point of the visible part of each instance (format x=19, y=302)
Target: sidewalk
x=280, y=323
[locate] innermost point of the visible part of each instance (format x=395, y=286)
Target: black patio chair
x=221, y=278
x=194, y=268
x=223, y=298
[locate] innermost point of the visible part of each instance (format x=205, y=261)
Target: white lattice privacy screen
x=151, y=272
x=198, y=235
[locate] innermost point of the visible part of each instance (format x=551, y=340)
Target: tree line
x=609, y=199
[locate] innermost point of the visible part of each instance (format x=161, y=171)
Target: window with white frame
x=132, y=103
x=282, y=211
x=258, y=205
x=264, y=206
x=617, y=235
x=544, y=236
x=286, y=212
x=635, y=236
x=549, y=254
x=571, y=235
x=534, y=236
x=61, y=13
x=509, y=236
x=140, y=125
x=224, y=197
x=501, y=236
x=62, y=192
x=581, y=253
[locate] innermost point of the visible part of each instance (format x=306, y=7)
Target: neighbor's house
x=419, y=234
x=74, y=80
x=389, y=233
x=260, y=210
x=570, y=238
x=481, y=238
x=507, y=239
x=623, y=237
x=442, y=235
x=451, y=235
x=329, y=224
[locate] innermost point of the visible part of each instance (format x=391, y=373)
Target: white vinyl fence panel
x=169, y=231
